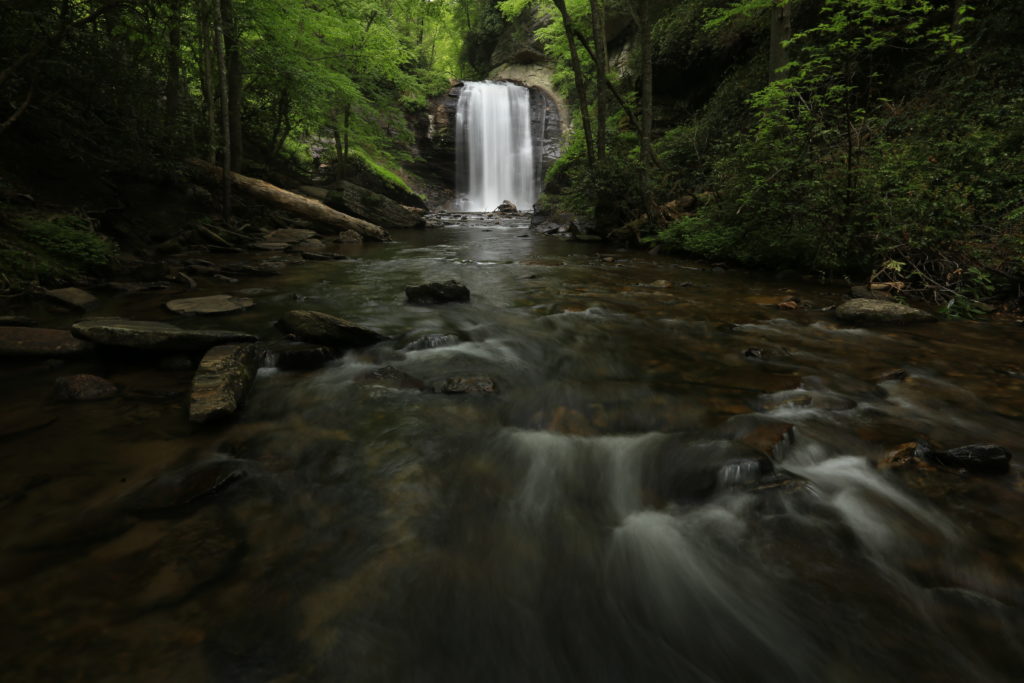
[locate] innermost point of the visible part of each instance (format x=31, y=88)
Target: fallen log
x=305, y=207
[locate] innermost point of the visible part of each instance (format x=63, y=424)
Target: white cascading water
x=494, y=147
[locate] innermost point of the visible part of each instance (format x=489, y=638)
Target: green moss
x=37, y=247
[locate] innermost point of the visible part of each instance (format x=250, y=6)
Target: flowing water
x=494, y=147
x=675, y=481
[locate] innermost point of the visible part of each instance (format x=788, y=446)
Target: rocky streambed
x=559, y=462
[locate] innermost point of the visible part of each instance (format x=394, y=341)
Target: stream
x=674, y=480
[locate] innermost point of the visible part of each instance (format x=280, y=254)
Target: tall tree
x=781, y=34
x=581, y=85
x=600, y=75
x=225, y=107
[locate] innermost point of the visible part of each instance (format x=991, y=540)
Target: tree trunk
x=781, y=31
x=581, y=87
x=172, y=89
x=297, y=204
x=647, y=85
x=234, y=59
x=207, y=58
x=601, y=75
x=225, y=109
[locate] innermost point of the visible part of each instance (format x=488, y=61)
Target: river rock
x=298, y=355
x=72, y=297
x=153, y=336
x=19, y=342
x=432, y=341
x=270, y=246
x=469, y=385
x=392, y=377
x=862, y=292
x=349, y=237
x=83, y=388
x=876, y=312
x=322, y=328
x=262, y=269
x=222, y=381
x=209, y=305
x=507, y=207
x=981, y=458
x=437, y=293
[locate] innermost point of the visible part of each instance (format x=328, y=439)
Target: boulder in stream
x=289, y=355
x=979, y=458
x=322, y=328
x=38, y=342
x=437, y=293
x=290, y=235
x=186, y=485
x=83, y=388
x=469, y=385
x=209, y=305
x=507, y=207
x=153, y=336
x=222, y=382
x=877, y=312
x=391, y=377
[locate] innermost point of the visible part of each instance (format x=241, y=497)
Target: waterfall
x=494, y=147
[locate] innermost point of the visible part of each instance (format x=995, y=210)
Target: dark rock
x=270, y=246
x=222, y=382
x=391, y=377
x=153, y=336
x=875, y=312
x=298, y=355
x=349, y=237
x=862, y=292
x=314, y=256
x=432, y=341
x=321, y=328
x=507, y=207
x=983, y=458
x=225, y=278
x=176, y=363
x=186, y=485
x=894, y=375
x=437, y=293
x=371, y=206
x=72, y=297
x=209, y=305
x=469, y=385
x=83, y=388
x=311, y=245
x=40, y=343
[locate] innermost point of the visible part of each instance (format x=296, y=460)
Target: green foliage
x=52, y=248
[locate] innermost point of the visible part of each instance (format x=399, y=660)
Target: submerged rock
x=392, y=377
x=979, y=458
x=469, y=385
x=186, y=485
x=322, y=328
x=876, y=312
x=153, y=336
x=222, y=382
x=432, y=341
x=83, y=388
x=19, y=342
x=209, y=305
x=437, y=293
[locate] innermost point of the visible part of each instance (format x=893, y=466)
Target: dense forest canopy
x=866, y=138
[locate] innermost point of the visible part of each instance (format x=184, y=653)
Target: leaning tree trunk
x=581, y=87
x=297, y=204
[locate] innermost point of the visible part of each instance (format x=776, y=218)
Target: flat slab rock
x=209, y=305
x=153, y=336
x=222, y=381
x=73, y=297
x=298, y=355
x=322, y=328
x=877, y=312
x=40, y=342
x=437, y=293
